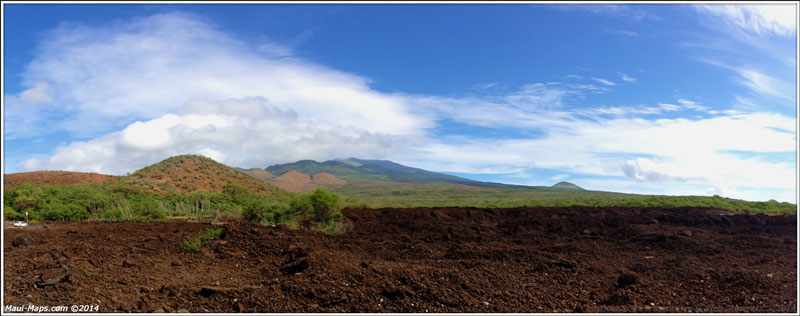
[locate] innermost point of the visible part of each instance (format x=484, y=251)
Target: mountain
x=564, y=185
x=381, y=170
x=294, y=181
x=191, y=173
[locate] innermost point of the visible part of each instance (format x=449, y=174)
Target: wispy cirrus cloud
x=759, y=19
x=604, y=81
x=627, y=11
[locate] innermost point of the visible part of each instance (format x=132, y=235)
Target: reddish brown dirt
x=259, y=174
x=53, y=178
x=193, y=173
x=417, y=260
x=294, y=181
x=326, y=178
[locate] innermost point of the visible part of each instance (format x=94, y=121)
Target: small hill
x=295, y=181
x=191, y=173
x=326, y=178
x=566, y=186
x=53, y=178
x=259, y=174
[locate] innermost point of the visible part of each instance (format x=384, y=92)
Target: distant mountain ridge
x=385, y=170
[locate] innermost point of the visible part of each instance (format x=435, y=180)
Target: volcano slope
x=417, y=260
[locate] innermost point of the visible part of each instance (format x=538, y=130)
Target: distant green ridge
x=382, y=170
x=567, y=186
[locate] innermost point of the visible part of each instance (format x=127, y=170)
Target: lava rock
x=53, y=276
x=22, y=240
x=627, y=279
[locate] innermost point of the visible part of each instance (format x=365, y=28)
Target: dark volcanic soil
x=418, y=260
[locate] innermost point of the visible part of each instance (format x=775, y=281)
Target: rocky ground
x=419, y=260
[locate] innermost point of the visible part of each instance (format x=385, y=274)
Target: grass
x=378, y=194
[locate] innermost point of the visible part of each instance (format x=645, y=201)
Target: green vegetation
x=378, y=194
x=320, y=206
x=197, y=244
x=129, y=200
x=117, y=202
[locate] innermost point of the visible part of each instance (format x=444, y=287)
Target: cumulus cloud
x=109, y=77
x=240, y=132
x=166, y=84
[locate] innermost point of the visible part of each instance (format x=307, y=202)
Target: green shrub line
x=114, y=202
x=119, y=202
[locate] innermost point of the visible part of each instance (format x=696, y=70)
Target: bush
x=324, y=204
x=193, y=245
x=57, y=211
x=262, y=211
x=146, y=208
x=12, y=215
x=301, y=205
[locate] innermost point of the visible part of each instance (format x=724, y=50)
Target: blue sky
x=655, y=99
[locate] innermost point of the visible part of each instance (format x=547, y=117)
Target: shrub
x=193, y=245
x=11, y=214
x=146, y=208
x=196, y=244
x=261, y=211
x=324, y=204
x=330, y=227
x=55, y=210
x=301, y=205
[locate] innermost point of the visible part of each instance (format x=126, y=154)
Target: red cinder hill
x=53, y=178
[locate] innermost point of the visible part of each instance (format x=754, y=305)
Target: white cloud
x=760, y=19
x=689, y=104
x=764, y=84
x=674, y=152
x=633, y=12
x=627, y=78
x=622, y=32
x=484, y=86
x=105, y=78
x=172, y=84
x=669, y=107
x=559, y=177
x=604, y=81
x=240, y=132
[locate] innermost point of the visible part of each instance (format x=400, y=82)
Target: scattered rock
x=22, y=239
x=627, y=279
x=53, y=276
x=292, y=267
x=183, y=311
x=687, y=233
x=296, y=261
x=159, y=310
